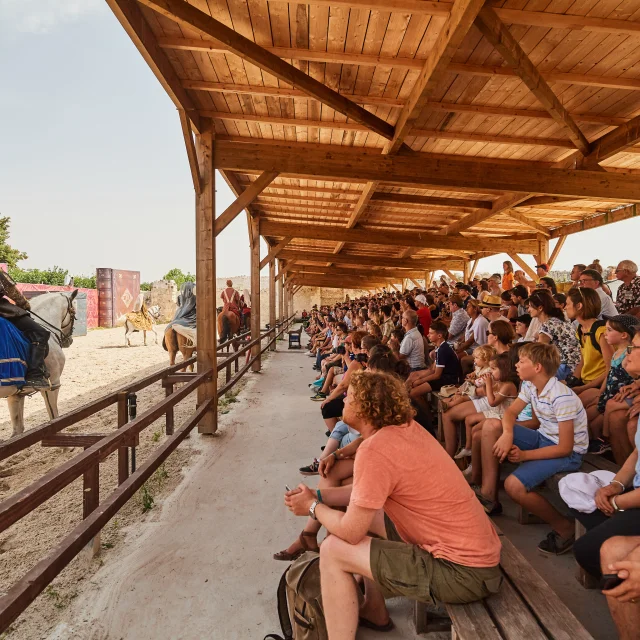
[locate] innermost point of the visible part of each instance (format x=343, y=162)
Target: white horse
x=57, y=313
x=129, y=329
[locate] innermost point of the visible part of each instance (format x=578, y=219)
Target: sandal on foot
x=363, y=622
x=286, y=556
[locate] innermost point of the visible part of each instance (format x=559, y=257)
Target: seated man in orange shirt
x=439, y=545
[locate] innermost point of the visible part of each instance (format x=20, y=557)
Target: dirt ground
x=96, y=364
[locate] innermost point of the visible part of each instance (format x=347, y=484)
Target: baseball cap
x=420, y=298
x=544, y=265
x=629, y=322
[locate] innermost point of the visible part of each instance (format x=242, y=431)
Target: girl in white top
x=474, y=381
x=500, y=393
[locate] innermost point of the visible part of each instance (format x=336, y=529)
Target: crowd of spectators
x=525, y=375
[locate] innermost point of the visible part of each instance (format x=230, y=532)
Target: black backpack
x=592, y=334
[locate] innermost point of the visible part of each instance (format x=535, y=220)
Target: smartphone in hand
x=610, y=581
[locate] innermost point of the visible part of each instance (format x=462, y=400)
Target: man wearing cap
x=592, y=279
x=542, y=270
x=491, y=309
x=464, y=291
x=424, y=313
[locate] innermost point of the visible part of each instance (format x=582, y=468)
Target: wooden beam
x=206, y=278
x=405, y=198
x=191, y=151
x=450, y=275
x=474, y=269
x=289, y=265
x=189, y=16
x=524, y=266
x=617, y=215
x=424, y=240
x=369, y=261
x=509, y=48
x=361, y=205
x=355, y=271
x=617, y=141
x=556, y=251
x=186, y=44
x=274, y=252
x=244, y=200
x=434, y=70
x=462, y=174
x=135, y=24
x=255, y=293
x=521, y=217
x=501, y=204
x=483, y=137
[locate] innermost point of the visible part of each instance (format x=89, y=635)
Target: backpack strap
x=592, y=334
x=283, y=610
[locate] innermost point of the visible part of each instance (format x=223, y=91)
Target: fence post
x=123, y=452
x=168, y=390
x=91, y=500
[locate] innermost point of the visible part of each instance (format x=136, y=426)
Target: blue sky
x=93, y=170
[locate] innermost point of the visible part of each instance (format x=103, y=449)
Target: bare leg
x=491, y=431
x=626, y=615
x=331, y=423
x=459, y=412
x=328, y=381
x=331, y=446
x=539, y=506
x=621, y=445
x=476, y=454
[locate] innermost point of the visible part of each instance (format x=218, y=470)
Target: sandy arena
x=96, y=364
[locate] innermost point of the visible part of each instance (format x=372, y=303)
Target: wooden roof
x=411, y=133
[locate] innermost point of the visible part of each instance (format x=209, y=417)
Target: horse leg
x=144, y=334
x=171, y=343
x=186, y=354
x=51, y=402
x=155, y=333
x=16, y=411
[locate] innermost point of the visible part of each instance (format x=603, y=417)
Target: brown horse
x=174, y=342
x=228, y=325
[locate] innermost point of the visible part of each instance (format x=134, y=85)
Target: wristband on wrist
x=319, y=495
x=335, y=455
x=618, y=482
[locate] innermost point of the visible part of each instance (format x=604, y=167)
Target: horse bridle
x=63, y=338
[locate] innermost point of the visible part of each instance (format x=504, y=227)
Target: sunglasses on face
x=630, y=348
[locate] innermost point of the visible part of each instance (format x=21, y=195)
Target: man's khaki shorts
x=403, y=569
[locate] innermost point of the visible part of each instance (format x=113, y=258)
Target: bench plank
x=472, y=621
x=552, y=614
x=512, y=616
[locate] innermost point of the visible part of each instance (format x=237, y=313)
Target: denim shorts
x=342, y=434
x=535, y=472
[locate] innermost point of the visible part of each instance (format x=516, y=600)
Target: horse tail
x=226, y=328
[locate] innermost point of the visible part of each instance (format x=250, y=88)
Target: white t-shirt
x=557, y=403
x=478, y=329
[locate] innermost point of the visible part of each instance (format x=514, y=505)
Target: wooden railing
x=97, y=448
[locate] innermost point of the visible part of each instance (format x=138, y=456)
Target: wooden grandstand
x=377, y=139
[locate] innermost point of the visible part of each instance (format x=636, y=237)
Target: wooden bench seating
x=295, y=338
x=526, y=608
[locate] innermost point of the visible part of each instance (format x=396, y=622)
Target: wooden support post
x=450, y=274
x=466, y=272
x=280, y=294
x=272, y=299
x=543, y=250
x=556, y=251
x=255, y=291
x=206, y=277
x=474, y=269
x=91, y=500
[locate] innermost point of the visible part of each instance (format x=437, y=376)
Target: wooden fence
x=97, y=447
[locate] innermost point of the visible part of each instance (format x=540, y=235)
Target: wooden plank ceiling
x=501, y=123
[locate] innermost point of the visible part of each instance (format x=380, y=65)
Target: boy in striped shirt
x=556, y=446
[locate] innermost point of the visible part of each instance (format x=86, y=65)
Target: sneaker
x=467, y=471
x=311, y=469
x=463, y=453
x=599, y=446
x=319, y=397
x=555, y=545
x=491, y=507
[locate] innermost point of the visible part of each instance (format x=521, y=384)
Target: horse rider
x=245, y=308
x=37, y=376
x=230, y=299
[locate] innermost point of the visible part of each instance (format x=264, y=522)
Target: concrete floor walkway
x=200, y=567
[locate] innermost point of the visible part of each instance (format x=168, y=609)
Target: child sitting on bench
x=557, y=446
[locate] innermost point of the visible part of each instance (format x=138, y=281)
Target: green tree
x=8, y=254
x=179, y=277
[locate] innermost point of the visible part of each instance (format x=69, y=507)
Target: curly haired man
x=433, y=540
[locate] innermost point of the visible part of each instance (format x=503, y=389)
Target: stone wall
x=164, y=293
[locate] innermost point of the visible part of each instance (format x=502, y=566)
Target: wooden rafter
x=425, y=241
x=556, y=251
x=617, y=141
x=333, y=271
x=360, y=260
x=293, y=53
x=524, y=266
x=243, y=200
x=131, y=18
x=435, y=66
x=185, y=124
x=622, y=213
x=406, y=198
x=189, y=16
x=521, y=217
x=461, y=174
x=274, y=252
x=509, y=48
